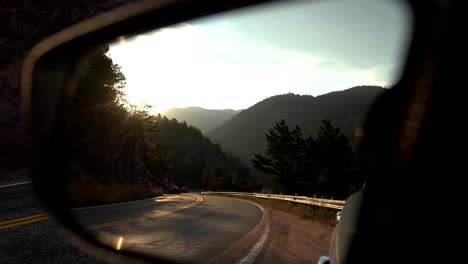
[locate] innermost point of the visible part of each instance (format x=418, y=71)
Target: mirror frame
x=48, y=66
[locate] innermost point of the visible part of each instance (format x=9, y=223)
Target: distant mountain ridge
x=244, y=134
x=204, y=119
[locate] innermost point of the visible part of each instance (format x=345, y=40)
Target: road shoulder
x=290, y=239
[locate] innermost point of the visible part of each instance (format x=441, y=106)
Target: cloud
x=332, y=65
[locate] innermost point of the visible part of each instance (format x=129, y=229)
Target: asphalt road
x=187, y=227
x=26, y=241
x=17, y=200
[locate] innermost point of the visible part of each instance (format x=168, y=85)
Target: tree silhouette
x=334, y=159
x=195, y=161
x=308, y=166
x=283, y=155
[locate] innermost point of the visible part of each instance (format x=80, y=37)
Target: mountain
x=204, y=119
x=244, y=134
x=193, y=160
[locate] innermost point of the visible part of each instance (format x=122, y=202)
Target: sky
x=236, y=59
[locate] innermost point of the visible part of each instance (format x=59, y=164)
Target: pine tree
x=310, y=166
x=335, y=155
x=282, y=158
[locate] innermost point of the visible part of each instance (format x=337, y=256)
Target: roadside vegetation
x=305, y=165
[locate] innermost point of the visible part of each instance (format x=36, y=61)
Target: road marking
x=253, y=253
x=145, y=217
x=14, y=184
x=250, y=258
x=43, y=216
x=114, y=204
x=23, y=220
x=119, y=243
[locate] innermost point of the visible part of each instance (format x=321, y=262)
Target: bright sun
x=141, y=97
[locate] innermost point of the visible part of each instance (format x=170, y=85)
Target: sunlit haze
x=240, y=58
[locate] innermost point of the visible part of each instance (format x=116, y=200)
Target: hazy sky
x=239, y=58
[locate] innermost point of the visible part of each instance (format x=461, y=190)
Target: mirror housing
x=43, y=97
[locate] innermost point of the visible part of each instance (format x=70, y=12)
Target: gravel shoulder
x=290, y=239
x=38, y=243
x=294, y=240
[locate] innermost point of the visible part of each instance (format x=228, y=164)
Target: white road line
x=14, y=184
x=250, y=258
x=253, y=253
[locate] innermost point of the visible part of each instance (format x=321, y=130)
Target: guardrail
x=329, y=203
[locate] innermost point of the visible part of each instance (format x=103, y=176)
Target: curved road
x=187, y=227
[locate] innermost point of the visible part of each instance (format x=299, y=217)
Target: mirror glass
x=266, y=100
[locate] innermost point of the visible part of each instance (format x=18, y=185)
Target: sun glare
x=235, y=62
x=137, y=98
x=159, y=78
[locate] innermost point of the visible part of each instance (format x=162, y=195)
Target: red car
x=174, y=189
x=183, y=190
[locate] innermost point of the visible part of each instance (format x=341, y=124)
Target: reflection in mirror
x=268, y=99
x=338, y=216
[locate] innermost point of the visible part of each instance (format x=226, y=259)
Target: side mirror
x=108, y=166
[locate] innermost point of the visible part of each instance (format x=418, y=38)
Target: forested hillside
x=119, y=151
x=193, y=160
x=243, y=135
